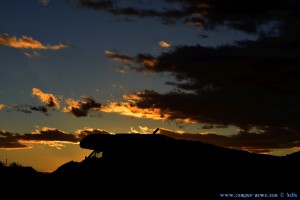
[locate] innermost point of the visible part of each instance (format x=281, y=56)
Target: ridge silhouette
x=142, y=159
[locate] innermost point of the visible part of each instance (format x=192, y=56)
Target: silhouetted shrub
x=15, y=164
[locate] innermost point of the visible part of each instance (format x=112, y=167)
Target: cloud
x=26, y=108
x=48, y=136
x=130, y=109
x=10, y=141
x=141, y=129
x=48, y=99
x=247, y=84
x=25, y=42
x=33, y=54
x=81, y=108
x=249, y=16
x=256, y=142
x=87, y=131
x=44, y=2
x=114, y=55
x=1, y=106
x=164, y=44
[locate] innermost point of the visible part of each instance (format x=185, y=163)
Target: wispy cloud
x=26, y=108
x=32, y=54
x=25, y=42
x=46, y=98
x=114, y=55
x=81, y=108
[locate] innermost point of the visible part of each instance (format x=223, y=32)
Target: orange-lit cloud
x=141, y=129
x=81, y=108
x=114, y=55
x=48, y=99
x=87, y=131
x=147, y=60
x=128, y=109
x=25, y=42
x=132, y=107
x=124, y=108
x=164, y=44
x=1, y=106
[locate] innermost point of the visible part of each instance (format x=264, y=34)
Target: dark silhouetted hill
x=154, y=163
x=19, y=171
x=168, y=161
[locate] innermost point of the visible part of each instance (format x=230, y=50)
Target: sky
x=225, y=72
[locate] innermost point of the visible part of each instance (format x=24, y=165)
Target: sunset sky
x=224, y=72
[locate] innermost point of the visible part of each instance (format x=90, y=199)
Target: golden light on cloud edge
x=125, y=108
x=70, y=104
x=115, y=56
x=142, y=130
x=47, y=129
x=25, y=42
x=130, y=108
x=149, y=62
x=164, y=44
x=48, y=99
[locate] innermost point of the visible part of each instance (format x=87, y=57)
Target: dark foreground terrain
x=163, y=166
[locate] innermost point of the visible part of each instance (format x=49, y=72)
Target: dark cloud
x=48, y=136
x=88, y=131
x=26, y=108
x=260, y=141
x=81, y=108
x=248, y=16
x=10, y=141
x=248, y=84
